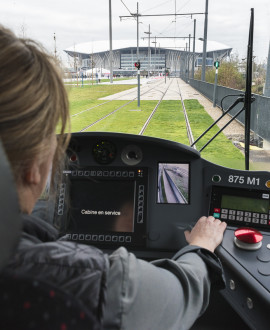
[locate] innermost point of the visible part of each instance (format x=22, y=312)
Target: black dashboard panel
x=142, y=192
x=164, y=178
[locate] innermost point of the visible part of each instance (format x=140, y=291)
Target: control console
x=142, y=192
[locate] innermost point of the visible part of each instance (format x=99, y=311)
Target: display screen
x=245, y=203
x=173, y=183
x=99, y=205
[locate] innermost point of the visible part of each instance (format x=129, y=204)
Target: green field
x=167, y=123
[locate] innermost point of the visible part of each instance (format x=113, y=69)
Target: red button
x=248, y=235
x=216, y=210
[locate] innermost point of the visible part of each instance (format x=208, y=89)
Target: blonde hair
x=33, y=101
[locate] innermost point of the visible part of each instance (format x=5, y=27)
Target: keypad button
x=255, y=220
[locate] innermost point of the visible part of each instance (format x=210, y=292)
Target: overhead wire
x=159, y=5
x=126, y=6
x=183, y=6
x=169, y=27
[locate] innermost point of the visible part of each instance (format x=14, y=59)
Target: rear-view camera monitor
x=173, y=183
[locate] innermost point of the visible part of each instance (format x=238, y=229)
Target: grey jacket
x=125, y=292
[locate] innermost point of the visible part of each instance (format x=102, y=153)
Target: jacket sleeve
x=165, y=294
x=77, y=269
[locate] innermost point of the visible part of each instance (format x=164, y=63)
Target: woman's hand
x=207, y=233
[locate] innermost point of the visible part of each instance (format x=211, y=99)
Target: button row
x=241, y=218
x=140, y=204
x=61, y=200
x=243, y=213
x=118, y=174
x=99, y=238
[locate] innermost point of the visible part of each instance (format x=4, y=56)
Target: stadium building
x=176, y=56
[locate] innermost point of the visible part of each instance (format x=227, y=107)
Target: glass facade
x=157, y=61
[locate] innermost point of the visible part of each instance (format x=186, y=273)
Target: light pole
x=188, y=54
x=155, y=42
x=110, y=34
x=149, y=51
x=216, y=65
x=138, y=55
x=204, y=41
x=193, y=53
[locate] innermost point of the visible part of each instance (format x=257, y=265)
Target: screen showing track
x=173, y=183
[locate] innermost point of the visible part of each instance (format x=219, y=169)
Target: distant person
x=122, y=291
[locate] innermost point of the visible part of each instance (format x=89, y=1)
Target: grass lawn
x=93, y=82
x=128, y=119
x=220, y=151
x=81, y=98
x=168, y=123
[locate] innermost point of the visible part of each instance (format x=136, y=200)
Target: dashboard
x=142, y=193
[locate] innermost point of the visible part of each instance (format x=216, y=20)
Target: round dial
x=104, y=152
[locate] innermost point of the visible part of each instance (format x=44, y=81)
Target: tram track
x=147, y=122
x=153, y=112
x=112, y=112
x=188, y=127
x=114, y=99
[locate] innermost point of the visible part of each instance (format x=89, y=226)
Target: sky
x=78, y=21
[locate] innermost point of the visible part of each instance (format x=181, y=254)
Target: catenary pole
x=193, y=52
x=110, y=35
x=204, y=41
x=138, y=55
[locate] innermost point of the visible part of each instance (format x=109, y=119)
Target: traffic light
x=216, y=64
x=137, y=65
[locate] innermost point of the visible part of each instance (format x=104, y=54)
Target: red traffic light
x=137, y=65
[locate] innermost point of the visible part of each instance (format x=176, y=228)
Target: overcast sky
x=78, y=21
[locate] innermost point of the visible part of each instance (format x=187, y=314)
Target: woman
x=123, y=292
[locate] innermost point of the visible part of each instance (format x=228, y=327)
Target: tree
x=232, y=74
x=228, y=75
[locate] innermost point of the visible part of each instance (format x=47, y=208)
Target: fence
x=260, y=108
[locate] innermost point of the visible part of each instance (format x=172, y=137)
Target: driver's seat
x=25, y=302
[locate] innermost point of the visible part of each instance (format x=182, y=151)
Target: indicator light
x=73, y=158
x=137, y=65
x=216, y=64
x=267, y=183
x=216, y=178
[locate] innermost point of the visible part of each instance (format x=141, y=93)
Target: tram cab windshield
x=148, y=88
